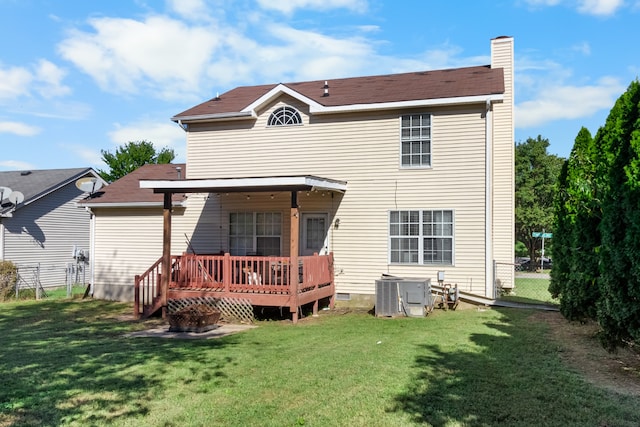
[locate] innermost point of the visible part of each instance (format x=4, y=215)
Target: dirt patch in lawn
x=580, y=348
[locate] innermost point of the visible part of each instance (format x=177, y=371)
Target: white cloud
x=16, y=165
x=290, y=6
x=588, y=7
x=161, y=134
x=196, y=10
x=49, y=78
x=19, y=129
x=599, y=7
x=45, y=79
x=558, y=102
x=159, y=54
x=90, y=156
x=14, y=82
x=583, y=48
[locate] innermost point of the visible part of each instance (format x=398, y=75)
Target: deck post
x=293, y=255
x=136, y=297
x=226, y=272
x=166, y=252
x=332, y=299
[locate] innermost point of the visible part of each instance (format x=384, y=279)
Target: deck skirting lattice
x=231, y=309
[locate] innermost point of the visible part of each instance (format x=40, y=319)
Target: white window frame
x=416, y=135
x=303, y=233
x=284, y=116
x=253, y=233
x=411, y=233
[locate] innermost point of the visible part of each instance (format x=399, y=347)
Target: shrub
x=8, y=279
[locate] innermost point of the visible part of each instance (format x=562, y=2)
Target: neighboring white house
x=45, y=233
x=405, y=174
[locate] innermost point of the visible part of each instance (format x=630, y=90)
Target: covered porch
x=277, y=281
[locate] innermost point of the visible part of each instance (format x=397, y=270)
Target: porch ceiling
x=235, y=185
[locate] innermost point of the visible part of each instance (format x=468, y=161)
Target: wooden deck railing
x=147, y=288
x=232, y=275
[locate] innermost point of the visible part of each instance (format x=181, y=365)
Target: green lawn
x=67, y=362
x=532, y=291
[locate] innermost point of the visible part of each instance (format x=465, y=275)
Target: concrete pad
x=163, y=332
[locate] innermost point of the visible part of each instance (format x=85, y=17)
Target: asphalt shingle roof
x=127, y=189
x=451, y=83
x=36, y=183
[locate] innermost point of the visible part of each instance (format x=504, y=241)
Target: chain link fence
x=30, y=284
x=527, y=287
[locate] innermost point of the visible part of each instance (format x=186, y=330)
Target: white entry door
x=315, y=234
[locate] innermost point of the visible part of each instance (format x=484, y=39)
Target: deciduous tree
x=131, y=156
x=536, y=177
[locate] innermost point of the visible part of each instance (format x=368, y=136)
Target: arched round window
x=285, y=116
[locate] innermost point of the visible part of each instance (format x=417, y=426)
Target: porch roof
x=251, y=184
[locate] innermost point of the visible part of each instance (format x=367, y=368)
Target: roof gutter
x=240, y=115
x=131, y=205
x=462, y=100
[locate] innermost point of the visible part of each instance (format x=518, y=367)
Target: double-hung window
x=415, y=140
x=421, y=237
x=255, y=232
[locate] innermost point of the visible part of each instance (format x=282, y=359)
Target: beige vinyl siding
x=503, y=155
x=43, y=234
x=128, y=241
x=364, y=150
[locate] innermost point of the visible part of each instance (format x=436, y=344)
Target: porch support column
x=293, y=255
x=166, y=252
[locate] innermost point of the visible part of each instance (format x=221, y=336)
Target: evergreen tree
x=618, y=307
x=576, y=237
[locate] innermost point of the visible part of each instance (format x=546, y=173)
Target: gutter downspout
x=488, y=214
x=92, y=248
x=1, y=240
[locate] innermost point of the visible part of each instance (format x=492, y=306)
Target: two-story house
x=405, y=174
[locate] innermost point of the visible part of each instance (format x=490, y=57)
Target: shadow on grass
x=513, y=377
x=67, y=362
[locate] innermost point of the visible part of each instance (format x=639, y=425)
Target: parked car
x=524, y=264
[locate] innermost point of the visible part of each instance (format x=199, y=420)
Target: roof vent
x=179, y=170
x=326, y=88
x=25, y=173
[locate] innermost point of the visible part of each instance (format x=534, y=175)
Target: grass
x=531, y=291
x=67, y=362
x=77, y=291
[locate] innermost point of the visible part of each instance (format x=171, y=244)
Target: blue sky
x=78, y=76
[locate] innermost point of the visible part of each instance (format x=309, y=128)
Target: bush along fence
x=25, y=281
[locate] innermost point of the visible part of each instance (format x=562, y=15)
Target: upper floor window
x=415, y=140
x=285, y=116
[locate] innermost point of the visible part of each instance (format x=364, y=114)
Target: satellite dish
x=89, y=184
x=16, y=198
x=4, y=193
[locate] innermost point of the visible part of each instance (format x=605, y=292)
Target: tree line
x=596, y=271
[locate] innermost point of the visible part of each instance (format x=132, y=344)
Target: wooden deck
x=264, y=281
